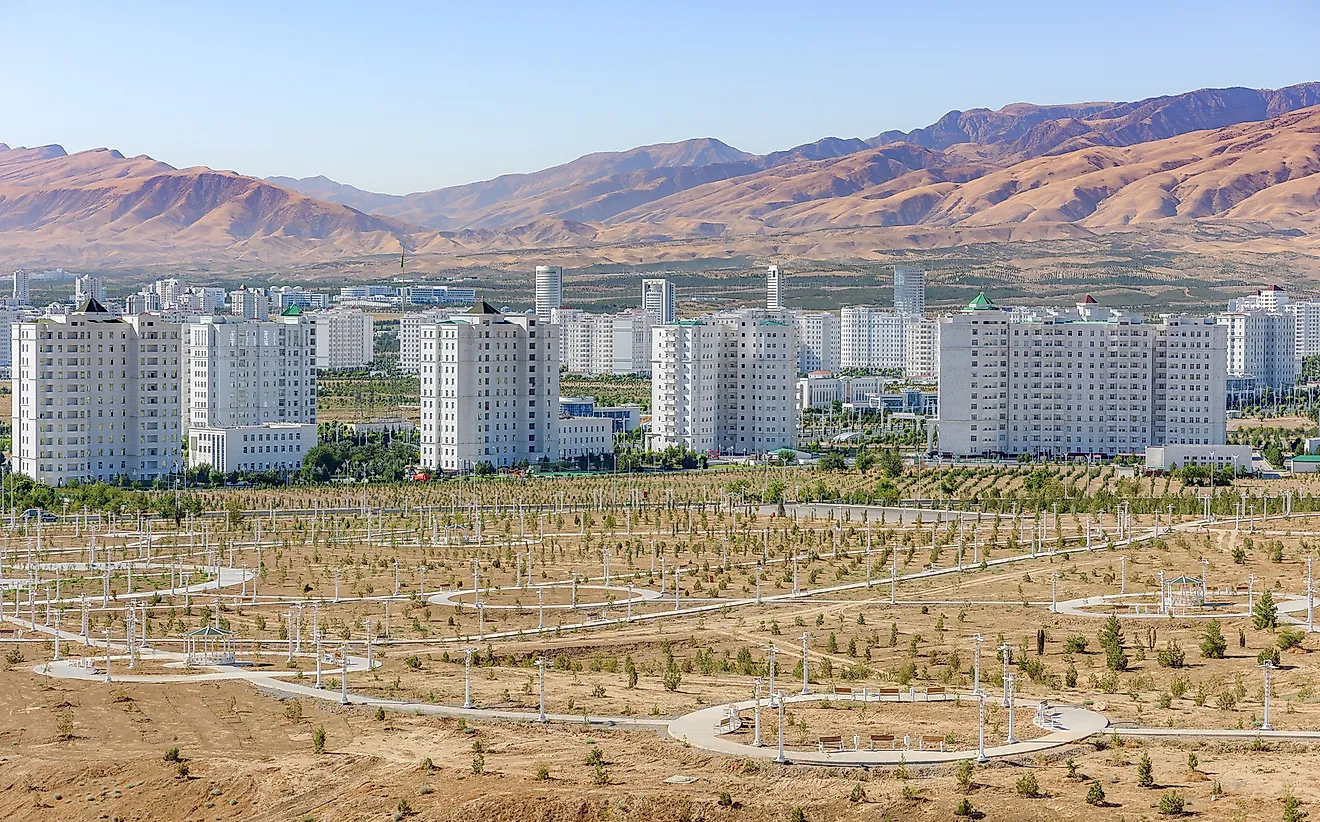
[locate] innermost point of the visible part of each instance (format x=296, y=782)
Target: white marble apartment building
x=872, y=339
x=909, y=291
x=660, y=298
x=818, y=341
x=343, y=337
x=489, y=390
x=1075, y=382
x=596, y=344
x=410, y=335
x=631, y=341
x=726, y=384
x=1306, y=332
x=249, y=303
x=1262, y=344
x=922, y=348
x=244, y=373
x=96, y=397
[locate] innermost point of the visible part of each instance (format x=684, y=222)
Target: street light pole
x=805, y=690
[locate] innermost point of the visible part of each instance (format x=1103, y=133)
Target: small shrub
x=963, y=773
x=479, y=764
x=1172, y=803
x=318, y=739
x=542, y=772
x=1171, y=655
x=858, y=794
x=595, y=757
x=964, y=809
x=380, y=714
x=600, y=775
x=1028, y=786
x=725, y=800
x=1145, y=773
x=181, y=770
x=796, y=815
x=1193, y=762
x=172, y=755
x=1095, y=795
x=1292, y=808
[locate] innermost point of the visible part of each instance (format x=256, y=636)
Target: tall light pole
x=540, y=664
x=1269, y=669
x=343, y=671
x=805, y=689
x=1006, y=651
x=756, y=716
x=467, y=677
x=780, y=759
x=774, y=651
x=980, y=728
x=976, y=663
x=1012, y=698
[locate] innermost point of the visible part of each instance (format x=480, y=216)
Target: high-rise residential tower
x=909, y=291
x=658, y=296
x=549, y=290
x=774, y=289
x=22, y=287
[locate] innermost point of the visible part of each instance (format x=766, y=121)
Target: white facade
x=96, y=397
x=630, y=341
x=725, y=385
x=1077, y=382
x=343, y=337
x=170, y=291
x=1263, y=335
x=205, y=299
x=273, y=447
x=244, y=373
x=86, y=287
x=283, y=296
x=818, y=341
x=659, y=297
x=1165, y=457
x=8, y=317
x=1306, y=332
x=585, y=436
x=872, y=339
x=249, y=304
x=490, y=390
x=822, y=389
x=909, y=291
x=595, y=344
x=774, y=289
x=410, y=336
x=22, y=287
x=922, y=347
x=549, y=290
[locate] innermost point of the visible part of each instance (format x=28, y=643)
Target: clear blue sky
x=401, y=97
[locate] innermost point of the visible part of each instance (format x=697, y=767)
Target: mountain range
x=1240, y=158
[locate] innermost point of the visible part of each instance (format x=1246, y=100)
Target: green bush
x=725, y=800
x=1095, y=795
x=1028, y=786
x=1172, y=804
x=1171, y=655
x=1145, y=773
x=964, y=809
x=318, y=739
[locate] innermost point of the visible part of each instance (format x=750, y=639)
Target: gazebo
x=209, y=646
x=1181, y=593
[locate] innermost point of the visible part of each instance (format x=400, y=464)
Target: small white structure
x=274, y=447
x=1166, y=457
x=585, y=436
x=209, y=645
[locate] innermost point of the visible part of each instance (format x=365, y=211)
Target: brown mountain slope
x=98, y=207
x=1257, y=172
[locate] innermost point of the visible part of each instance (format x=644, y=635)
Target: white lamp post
x=980, y=728
x=467, y=677
x=1012, y=698
x=1269, y=669
x=343, y=679
x=780, y=759
x=756, y=716
x=805, y=689
x=976, y=663
x=1006, y=651
x=540, y=664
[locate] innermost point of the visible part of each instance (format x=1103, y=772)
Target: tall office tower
x=658, y=296
x=490, y=390
x=724, y=385
x=87, y=287
x=410, y=335
x=818, y=341
x=774, y=289
x=170, y=291
x=249, y=303
x=96, y=397
x=872, y=339
x=909, y=291
x=250, y=372
x=343, y=337
x=22, y=287
x=1060, y=382
x=1262, y=339
x=549, y=290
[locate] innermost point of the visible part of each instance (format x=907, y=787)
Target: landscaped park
x=781, y=643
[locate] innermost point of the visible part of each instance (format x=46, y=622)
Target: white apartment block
x=1077, y=382
x=410, y=335
x=1306, y=331
x=96, y=397
x=283, y=296
x=22, y=287
x=246, y=373
x=585, y=436
x=249, y=303
x=818, y=341
x=170, y=291
x=909, y=291
x=343, y=337
x=279, y=446
x=8, y=318
x=86, y=287
x=1263, y=335
x=922, y=348
x=204, y=300
x=549, y=290
x=631, y=333
x=774, y=289
x=725, y=384
x=659, y=297
x=490, y=390
x=595, y=344
x=872, y=339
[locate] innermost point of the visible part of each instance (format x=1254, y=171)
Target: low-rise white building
x=253, y=448
x=585, y=436
x=821, y=389
x=1167, y=457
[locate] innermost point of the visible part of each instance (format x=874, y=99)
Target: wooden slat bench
x=935, y=690
x=883, y=739
x=835, y=741
x=896, y=693
x=931, y=742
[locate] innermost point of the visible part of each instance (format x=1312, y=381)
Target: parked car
x=33, y=513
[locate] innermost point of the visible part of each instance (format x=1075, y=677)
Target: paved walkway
x=699, y=729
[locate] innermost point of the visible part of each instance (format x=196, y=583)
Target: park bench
x=931, y=742
x=883, y=739
x=842, y=691
x=834, y=741
x=896, y=693
x=934, y=691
